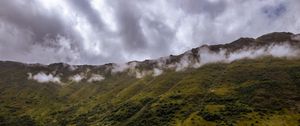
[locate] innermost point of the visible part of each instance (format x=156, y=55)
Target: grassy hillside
x=260, y=90
x=263, y=91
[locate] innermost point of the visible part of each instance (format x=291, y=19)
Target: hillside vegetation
x=250, y=91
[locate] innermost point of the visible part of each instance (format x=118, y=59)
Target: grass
x=214, y=108
x=288, y=119
x=263, y=91
x=224, y=89
x=194, y=120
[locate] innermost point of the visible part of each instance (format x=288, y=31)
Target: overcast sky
x=102, y=31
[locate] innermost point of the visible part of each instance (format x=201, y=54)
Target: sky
x=104, y=31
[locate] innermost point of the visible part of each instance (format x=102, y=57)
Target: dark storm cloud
x=101, y=31
x=132, y=24
x=85, y=7
x=275, y=10
x=128, y=19
x=162, y=34
x=212, y=9
x=29, y=16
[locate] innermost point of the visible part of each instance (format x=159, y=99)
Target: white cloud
x=29, y=76
x=76, y=78
x=140, y=74
x=275, y=50
x=95, y=78
x=207, y=56
x=73, y=67
x=283, y=50
x=44, y=78
x=124, y=66
x=296, y=37
x=157, y=72
x=184, y=62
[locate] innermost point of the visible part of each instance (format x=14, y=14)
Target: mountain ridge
x=265, y=45
x=267, y=39
x=240, y=83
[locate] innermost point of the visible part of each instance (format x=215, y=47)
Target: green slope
x=261, y=91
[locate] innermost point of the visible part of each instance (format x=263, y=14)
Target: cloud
x=206, y=56
x=124, y=66
x=96, y=78
x=76, y=78
x=276, y=50
x=141, y=74
x=73, y=67
x=44, y=78
x=157, y=72
x=102, y=31
x=296, y=37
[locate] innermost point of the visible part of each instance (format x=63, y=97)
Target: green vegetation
x=263, y=91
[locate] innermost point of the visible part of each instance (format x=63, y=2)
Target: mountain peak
x=275, y=37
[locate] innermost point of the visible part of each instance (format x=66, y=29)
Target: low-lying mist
x=41, y=77
x=206, y=56
x=191, y=59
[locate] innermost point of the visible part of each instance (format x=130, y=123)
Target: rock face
x=245, y=82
